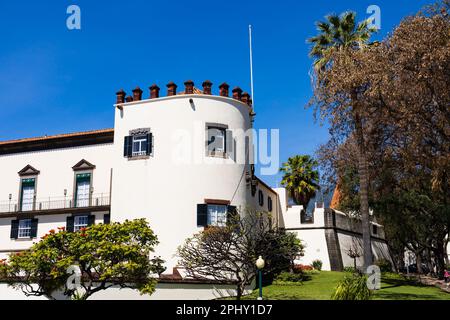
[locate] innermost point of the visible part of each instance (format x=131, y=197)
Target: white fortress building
x=182, y=161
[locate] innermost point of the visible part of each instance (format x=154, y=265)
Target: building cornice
x=57, y=141
x=183, y=96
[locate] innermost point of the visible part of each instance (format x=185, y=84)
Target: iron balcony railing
x=54, y=203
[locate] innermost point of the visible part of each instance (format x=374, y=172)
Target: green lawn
x=321, y=286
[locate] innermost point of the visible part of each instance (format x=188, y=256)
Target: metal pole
x=260, y=285
x=251, y=65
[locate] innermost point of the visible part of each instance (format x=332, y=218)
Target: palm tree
x=342, y=33
x=338, y=33
x=300, y=179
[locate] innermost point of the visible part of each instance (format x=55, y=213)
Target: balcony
x=96, y=202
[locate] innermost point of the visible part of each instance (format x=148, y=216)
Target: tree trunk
x=428, y=260
x=238, y=292
x=439, y=258
x=419, y=262
x=363, y=192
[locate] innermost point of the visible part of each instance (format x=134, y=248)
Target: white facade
x=164, y=183
x=55, y=176
x=329, y=235
x=163, y=291
x=166, y=187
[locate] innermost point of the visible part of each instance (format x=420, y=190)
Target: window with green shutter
x=82, y=190
x=138, y=144
x=216, y=215
x=27, y=194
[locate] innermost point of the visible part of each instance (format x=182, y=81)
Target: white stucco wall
x=347, y=241
x=166, y=188
x=164, y=291
x=315, y=247
x=312, y=238
x=56, y=174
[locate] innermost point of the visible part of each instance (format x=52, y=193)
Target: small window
x=260, y=198
x=24, y=229
x=80, y=222
x=139, y=145
x=374, y=229
x=269, y=204
x=216, y=140
x=217, y=215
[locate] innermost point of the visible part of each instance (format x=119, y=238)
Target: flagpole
x=251, y=65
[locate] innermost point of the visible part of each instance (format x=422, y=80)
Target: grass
x=321, y=286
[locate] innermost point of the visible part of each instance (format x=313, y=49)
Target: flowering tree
x=103, y=256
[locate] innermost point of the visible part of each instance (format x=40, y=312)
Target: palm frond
x=337, y=33
x=334, y=20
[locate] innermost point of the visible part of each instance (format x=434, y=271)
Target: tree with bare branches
x=228, y=254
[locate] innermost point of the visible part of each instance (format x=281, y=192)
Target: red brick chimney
x=223, y=89
x=189, y=87
x=137, y=94
x=237, y=93
x=171, y=89
x=129, y=99
x=207, y=87
x=120, y=96
x=246, y=98
x=154, y=91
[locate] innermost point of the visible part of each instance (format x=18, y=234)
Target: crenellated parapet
x=189, y=88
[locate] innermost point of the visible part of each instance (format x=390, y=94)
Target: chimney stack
x=207, y=87
x=237, y=93
x=154, y=91
x=189, y=87
x=137, y=94
x=120, y=96
x=171, y=89
x=223, y=89
x=246, y=98
x=129, y=99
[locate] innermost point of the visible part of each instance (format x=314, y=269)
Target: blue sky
x=53, y=80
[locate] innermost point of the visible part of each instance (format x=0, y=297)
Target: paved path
x=430, y=281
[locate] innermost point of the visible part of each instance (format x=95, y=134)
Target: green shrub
x=349, y=269
x=3, y=269
x=317, y=264
x=352, y=287
x=290, y=278
x=311, y=272
x=384, y=265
